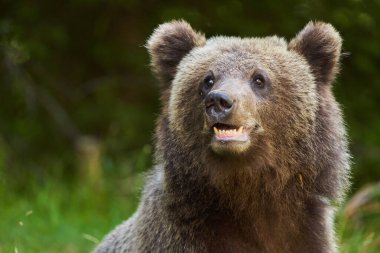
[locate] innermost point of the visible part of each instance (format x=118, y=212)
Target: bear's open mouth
x=225, y=132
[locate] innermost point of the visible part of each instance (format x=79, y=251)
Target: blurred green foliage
x=73, y=69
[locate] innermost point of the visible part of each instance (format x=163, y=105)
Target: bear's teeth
x=231, y=132
x=228, y=132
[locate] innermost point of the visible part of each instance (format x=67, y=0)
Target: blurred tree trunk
x=89, y=158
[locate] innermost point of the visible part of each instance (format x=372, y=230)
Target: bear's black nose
x=218, y=105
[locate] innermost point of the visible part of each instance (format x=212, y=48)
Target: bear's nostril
x=226, y=103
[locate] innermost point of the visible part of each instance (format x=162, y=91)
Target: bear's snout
x=219, y=105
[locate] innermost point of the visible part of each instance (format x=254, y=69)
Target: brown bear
x=251, y=148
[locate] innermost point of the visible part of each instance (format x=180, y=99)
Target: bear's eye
x=207, y=84
x=259, y=81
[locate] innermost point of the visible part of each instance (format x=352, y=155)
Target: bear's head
x=235, y=95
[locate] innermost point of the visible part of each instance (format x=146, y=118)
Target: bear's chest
x=228, y=237
x=260, y=236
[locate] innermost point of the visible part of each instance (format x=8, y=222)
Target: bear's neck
x=238, y=205
x=197, y=189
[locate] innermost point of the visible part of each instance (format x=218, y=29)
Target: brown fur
x=272, y=195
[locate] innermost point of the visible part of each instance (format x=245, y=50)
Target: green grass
x=60, y=218
x=358, y=236
x=57, y=217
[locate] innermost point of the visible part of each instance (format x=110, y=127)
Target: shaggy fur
x=273, y=194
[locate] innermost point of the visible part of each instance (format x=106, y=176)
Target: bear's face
x=234, y=95
x=232, y=92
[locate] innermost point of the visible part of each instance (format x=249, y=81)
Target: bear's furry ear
x=168, y=44
x=321, y=45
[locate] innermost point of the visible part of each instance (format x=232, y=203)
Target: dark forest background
x=78, y=104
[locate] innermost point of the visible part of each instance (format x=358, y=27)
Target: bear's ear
x=168, y=44
x=321, y=45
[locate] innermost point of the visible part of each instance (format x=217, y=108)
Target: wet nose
x=218, y=104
